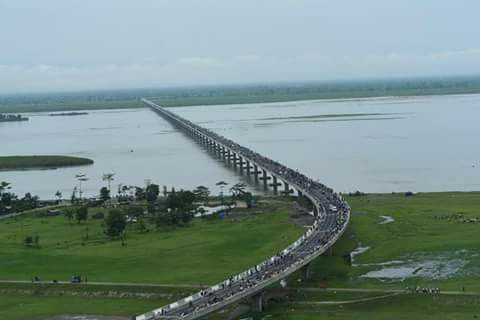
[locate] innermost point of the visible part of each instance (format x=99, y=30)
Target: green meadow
x=205, y=252
x=426, y=226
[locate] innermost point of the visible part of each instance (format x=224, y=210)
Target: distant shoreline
x=240, y=94
x=12, y=118
x=43, y=162
x=68, y=114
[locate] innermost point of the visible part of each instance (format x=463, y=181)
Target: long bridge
x=331, y=213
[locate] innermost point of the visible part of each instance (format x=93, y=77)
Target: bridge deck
x=332, y=217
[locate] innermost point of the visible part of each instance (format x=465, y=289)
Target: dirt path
x=368, y=290
x=85, y=317
x=199, y=286
x=112, y=284
x=348, y=301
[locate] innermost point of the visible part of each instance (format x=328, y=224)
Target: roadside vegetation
x=40, y=161
x=151, y=237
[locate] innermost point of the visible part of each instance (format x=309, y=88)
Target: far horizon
x=152, y=44
x=251, y=84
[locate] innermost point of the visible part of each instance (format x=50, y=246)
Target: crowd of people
x=331, y=218
x=424, y=290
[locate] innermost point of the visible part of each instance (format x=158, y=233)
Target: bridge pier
x=286, y=188
x=275, y=185
x=315, y=211
x=234, y=160
x=241, y=162
x=255, y=169
x=306, y=272
x=258, y=302
x=329, y=252
x=265, y=179
x=248, y=167
x=222, y=153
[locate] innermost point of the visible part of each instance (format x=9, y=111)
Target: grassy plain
x=423, y=230
x=40, y=161
x=21, y=307
x=212, y=249
x=405, y=307
x=204, y=253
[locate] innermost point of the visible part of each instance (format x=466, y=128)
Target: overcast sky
x=53, y=45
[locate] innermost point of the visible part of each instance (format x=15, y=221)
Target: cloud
x=236, y=69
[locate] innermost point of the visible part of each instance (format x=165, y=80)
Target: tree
x=202, y=193
x=59, y=196
x=134, y=211
x=69, y=213
x=104, y=194
x=139, y=193
x=6, y=197
x=73, y=198
x=109, y=178
x=4, y=186
x=238, y=189
x=141, y=226
x=151, y=192
x=81, y=214
x=180, y=206
x=222, y=185
x=115, y=223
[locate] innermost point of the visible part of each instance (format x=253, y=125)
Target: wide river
x=372, y=145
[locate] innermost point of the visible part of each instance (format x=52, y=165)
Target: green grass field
x=204, y=253
x=406, y=307
x=209, y=250
x=40, y=161
x=416, y=235
x=20, y=307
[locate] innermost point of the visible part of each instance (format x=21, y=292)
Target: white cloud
x=235, y=69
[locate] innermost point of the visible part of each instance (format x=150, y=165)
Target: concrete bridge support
x=286, y=187
x=306, y=272
x=258, y=302
x=315, y=211
x=248, y=167
x=265, y=179
x=275, y=185
x=240, y=163
x=255, y=172
x=234, y=160
x=329, y=252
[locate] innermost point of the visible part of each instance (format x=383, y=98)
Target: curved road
x=332, y=215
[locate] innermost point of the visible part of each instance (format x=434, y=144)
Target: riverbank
x=10, y=163
x=240, y=94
